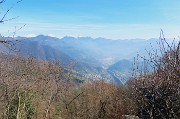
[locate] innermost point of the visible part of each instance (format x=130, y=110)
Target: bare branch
x=4, y=16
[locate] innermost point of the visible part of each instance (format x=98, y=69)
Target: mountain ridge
x=94, y=58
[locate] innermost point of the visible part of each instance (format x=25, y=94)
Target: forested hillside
x=35, y=89
x=44, y=77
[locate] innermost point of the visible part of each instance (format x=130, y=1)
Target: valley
x=94, y=59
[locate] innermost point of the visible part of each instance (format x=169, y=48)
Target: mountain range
x=97, y=58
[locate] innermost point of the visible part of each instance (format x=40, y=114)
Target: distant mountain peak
x=42, y=36
x=68, y=37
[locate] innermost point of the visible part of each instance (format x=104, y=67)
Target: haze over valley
x=89, y=59
x=98, y=58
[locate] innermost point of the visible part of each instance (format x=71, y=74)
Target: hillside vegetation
x=34, y=89
x=78, y=78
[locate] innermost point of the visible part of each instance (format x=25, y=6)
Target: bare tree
x=156, y=94
x=3, y=19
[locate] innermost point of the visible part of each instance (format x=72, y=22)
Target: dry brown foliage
x=39, y=89
x=157, y=94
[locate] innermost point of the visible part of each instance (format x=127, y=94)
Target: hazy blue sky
x=116, y=19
